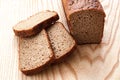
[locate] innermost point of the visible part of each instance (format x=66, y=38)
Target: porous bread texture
x=85, y=19
x=61, y=41
x=34, y=53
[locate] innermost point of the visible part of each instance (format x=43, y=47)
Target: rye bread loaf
x=85, y=19
x=35, y=23
x=35, y=53
x=61, y=41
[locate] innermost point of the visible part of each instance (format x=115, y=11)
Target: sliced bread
x=35, y=23
x=61, y=41
x=35, y=53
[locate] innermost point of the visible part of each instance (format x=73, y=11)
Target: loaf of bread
x=85, y=19
x=35, y=23
x=61, y=41
x=35, y=53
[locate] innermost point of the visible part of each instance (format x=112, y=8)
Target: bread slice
x=35, y=23
x=35, y=53
x=61, y=41
x=85, y=19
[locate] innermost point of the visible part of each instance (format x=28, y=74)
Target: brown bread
x=35, y=53
x=85, y=19
x=35, y=23
x=61, y=41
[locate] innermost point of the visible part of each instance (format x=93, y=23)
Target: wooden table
x=88, y=62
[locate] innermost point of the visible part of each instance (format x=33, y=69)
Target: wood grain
x=88, y=62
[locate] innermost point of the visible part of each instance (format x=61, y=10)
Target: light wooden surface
x=88, y=62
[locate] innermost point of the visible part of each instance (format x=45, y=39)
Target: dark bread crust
x=36, y=29
x=72, y=7
x=40, y=68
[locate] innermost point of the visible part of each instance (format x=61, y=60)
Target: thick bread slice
x=35, y=23
x=85, y=19
x=61, y=41
x=35, y=53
